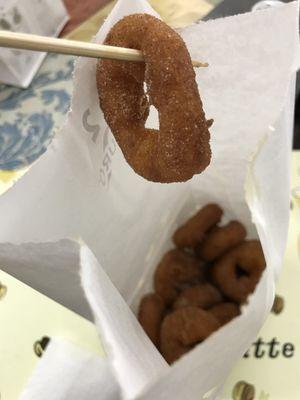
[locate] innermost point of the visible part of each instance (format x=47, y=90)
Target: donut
x=220, y=240
x=204, y=296
x=150, y=315
x=225, y=312
x=237, y=272
x=176, y=271
x=183, y=329
x=180, y=148
x=193, y=231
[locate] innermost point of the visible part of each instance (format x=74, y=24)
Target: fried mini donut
x=204, y=296
x=180, y=148
x=225, y=312
x=237, y=273
x=150, y=315
x=183, y=329
x=220, y=240
x=193, y=231
x=175, y=272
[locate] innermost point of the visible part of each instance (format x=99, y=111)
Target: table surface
x=232, y=7
x=80, y=11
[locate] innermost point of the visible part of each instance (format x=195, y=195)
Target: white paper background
x=83, y=188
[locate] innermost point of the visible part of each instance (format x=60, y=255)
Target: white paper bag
x=72, y=373
x=40, y=17
x=83, y=188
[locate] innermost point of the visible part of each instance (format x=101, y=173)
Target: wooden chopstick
x=27, y=41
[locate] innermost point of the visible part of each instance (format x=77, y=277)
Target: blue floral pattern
x=25, y=140
x=29, y=117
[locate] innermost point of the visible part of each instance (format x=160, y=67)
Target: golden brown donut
x=176, y=271
x=237, y=273
x=225, y=312
x=150, y=315
x=180, y=148
x=204, y=296
x=220, y=240
x=183, y=329
x=193, y=231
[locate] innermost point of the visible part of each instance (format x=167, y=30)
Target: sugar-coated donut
x=194, y=230
x=150, y=315
x=176, y=271
x=183, y=329
x=204, y=296
x=225, y=312
x=220, y=240
x=180, y=148
x=237, y=273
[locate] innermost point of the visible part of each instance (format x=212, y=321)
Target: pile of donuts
x=200, y=285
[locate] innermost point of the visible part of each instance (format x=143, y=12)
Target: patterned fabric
x=29, y=118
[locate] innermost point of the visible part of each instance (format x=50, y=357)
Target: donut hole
x=152, y=121
x=240, y=272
